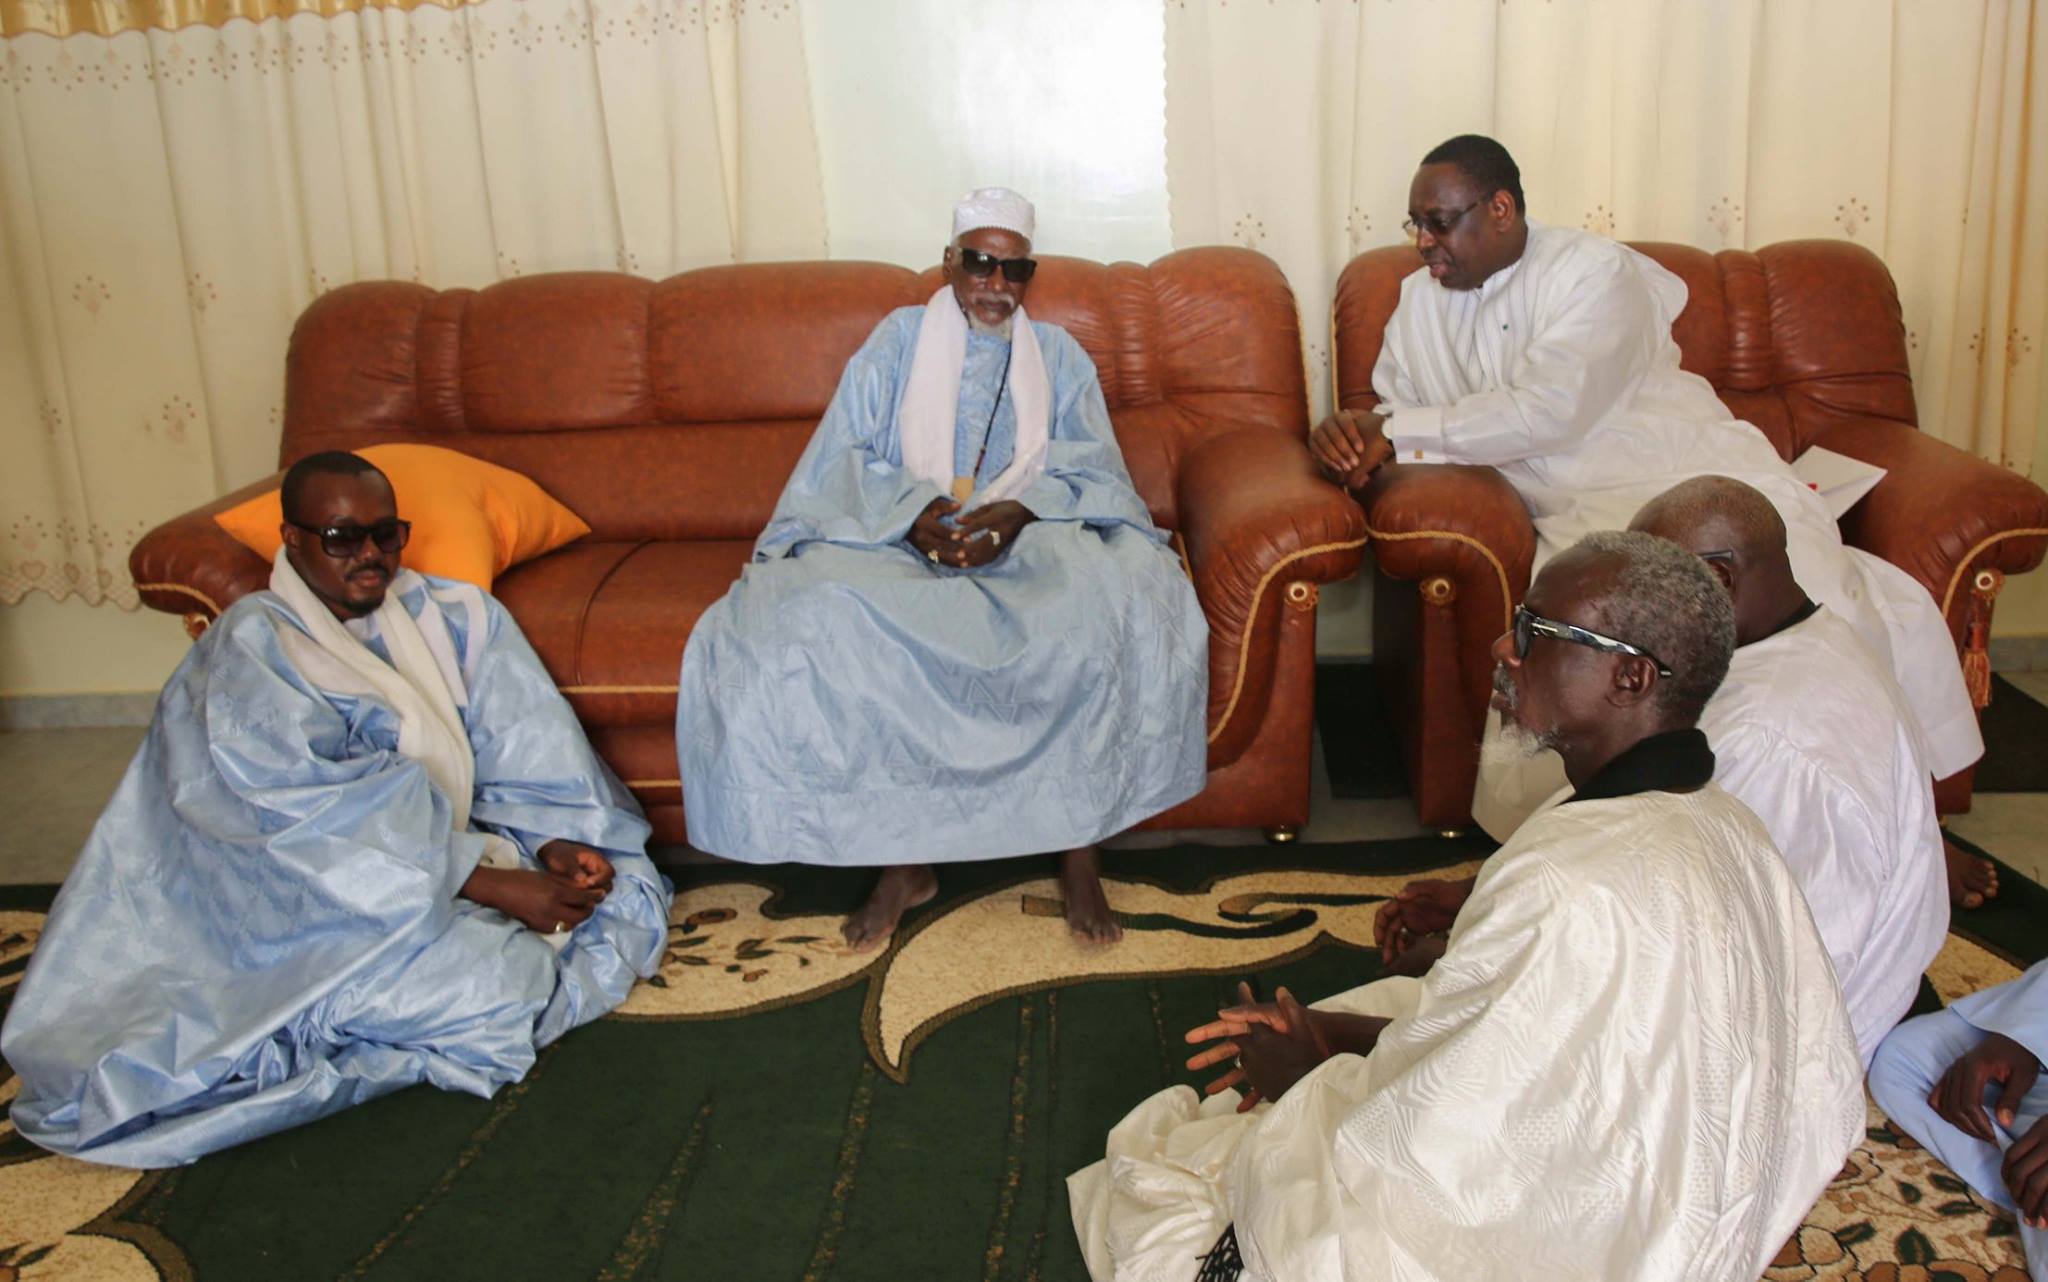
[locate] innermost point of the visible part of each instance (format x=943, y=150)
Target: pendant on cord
x=963, y=488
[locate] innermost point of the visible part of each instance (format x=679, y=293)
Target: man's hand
x=1271, y=1045
x=538, y=900
x=930, y=533
x=1423, y=907
x=1959, y=1095
x=988, y=532
x=1277, y=1054
x=1350, y=447
x=577, y=864
x=2026, y=1173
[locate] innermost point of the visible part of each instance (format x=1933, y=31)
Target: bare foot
x=1971, y=878
x=900, y=889
x=1088, y=911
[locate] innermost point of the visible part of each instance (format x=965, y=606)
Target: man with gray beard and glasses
x=1809, y=731
x=1632, y=1060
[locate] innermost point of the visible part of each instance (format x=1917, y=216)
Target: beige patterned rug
x=772, y=1105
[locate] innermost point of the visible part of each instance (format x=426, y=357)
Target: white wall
x=74, y=648
x=919, y=101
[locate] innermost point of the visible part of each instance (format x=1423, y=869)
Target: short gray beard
x=993, y=331
x=1514, y=744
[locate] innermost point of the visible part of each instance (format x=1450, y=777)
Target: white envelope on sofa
x=1841, y=481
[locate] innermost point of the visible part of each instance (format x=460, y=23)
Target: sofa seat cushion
x=609, y=620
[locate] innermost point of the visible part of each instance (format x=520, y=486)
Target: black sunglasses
x=339, y=541
x=1437, y=222
x=1015, y=270
x=1529, y=625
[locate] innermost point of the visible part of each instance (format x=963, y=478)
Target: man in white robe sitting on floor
x=1546, y=353
x=364, y=845
x=1811, y=733
x=1631, y=1062
x=961, y=636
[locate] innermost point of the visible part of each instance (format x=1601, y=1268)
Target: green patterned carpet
x=777, y=1110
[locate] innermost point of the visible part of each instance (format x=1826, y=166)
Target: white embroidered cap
x=993, y=207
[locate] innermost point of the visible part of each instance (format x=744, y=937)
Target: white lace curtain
x=172, y=196
x=1918, y=128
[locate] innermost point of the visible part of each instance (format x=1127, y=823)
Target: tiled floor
x=2012, y=825
x=61, y=778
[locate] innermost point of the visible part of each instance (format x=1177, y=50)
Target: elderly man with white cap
x=961, y=636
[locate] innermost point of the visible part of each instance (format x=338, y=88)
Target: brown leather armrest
x=1255, y=516
x=191, y=566
x=1940, y=512
x=1458, y=522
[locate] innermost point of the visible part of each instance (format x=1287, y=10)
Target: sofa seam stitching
x=583, y=613
x=1244, y=645
x=1963, y=566
x=194, y=593
x=1506, y=597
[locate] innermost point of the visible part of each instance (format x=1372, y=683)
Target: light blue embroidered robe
x=849, y=702
x=1916, y=1054
x=264, y=927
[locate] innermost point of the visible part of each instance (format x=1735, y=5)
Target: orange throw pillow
x=471, y=520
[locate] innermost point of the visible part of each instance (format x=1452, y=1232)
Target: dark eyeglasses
x=339, y=541
x=1015, y=270
x=1528, y=626
x=1725, y=556
x=1437, y=222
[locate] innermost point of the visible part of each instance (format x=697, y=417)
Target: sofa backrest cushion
x=1794, y=337
x=676, y=408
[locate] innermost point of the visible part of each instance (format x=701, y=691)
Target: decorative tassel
x=1977, y=636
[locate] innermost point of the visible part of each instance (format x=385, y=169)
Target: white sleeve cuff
x=1417, y=435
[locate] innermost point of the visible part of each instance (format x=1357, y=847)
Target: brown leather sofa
x=1803, y=339
x=668, y=415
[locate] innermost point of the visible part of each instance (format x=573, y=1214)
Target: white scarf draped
x=424, y=692
x=926, y=418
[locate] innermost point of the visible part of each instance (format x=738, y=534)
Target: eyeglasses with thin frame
x=337, y=541
x=1437, y=222
x=1529, y=625
x=1017, y=271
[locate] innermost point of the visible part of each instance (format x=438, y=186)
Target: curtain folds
x=180, y=178
x=1918, y=128
x=173, y=196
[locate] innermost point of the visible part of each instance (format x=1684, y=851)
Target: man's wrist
x=481, y=885
x=1339, y=1033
